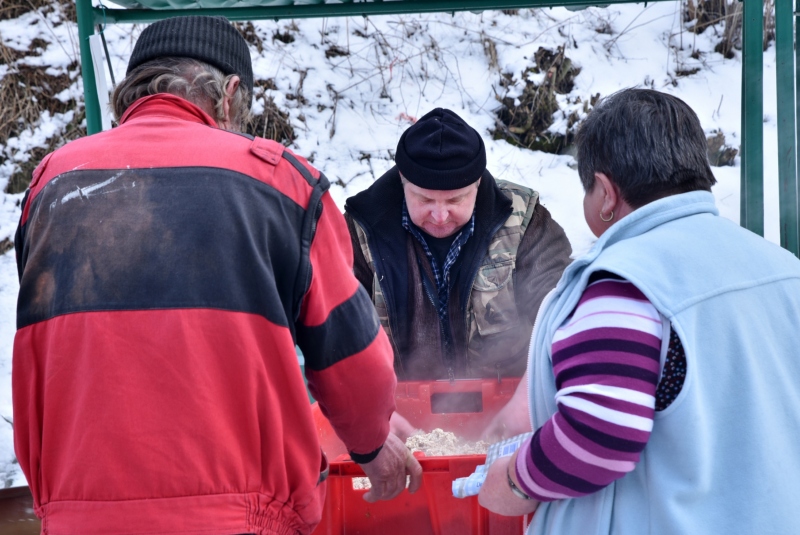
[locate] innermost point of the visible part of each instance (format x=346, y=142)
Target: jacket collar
x=166, y=104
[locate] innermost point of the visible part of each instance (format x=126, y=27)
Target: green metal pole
x=752, y=201
x=796, y=70
x=347, y=9
x=787, y=151
x=91, y=102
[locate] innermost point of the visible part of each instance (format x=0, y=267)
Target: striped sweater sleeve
x=606, y=365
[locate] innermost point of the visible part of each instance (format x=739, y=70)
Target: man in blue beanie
x=456, y=262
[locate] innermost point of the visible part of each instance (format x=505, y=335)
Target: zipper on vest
x=398, y=360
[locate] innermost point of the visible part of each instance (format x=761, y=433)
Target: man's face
x=440, y=213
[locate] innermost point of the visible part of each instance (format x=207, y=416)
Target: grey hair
x=194, y=80
x=650, y=144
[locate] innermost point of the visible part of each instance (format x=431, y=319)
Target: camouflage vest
x=492, y=307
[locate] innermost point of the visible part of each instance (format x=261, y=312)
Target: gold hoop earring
x=609, y=217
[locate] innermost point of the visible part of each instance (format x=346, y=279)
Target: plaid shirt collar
x=441, y=274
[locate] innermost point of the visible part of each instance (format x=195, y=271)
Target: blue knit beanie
x=441, y=152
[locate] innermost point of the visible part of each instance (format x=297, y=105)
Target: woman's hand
x=496, y=494
x=513, y=419
x=401, y=427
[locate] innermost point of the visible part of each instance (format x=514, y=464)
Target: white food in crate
x=437, y=443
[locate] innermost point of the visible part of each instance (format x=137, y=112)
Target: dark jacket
x=493, y=303
x=167, y=269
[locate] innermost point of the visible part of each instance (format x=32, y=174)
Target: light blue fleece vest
x=724, y=457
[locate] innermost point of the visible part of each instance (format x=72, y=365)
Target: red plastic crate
x=432, y=510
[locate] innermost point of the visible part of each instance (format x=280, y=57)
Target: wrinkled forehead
x=412, y=190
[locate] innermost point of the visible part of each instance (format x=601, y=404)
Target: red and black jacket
x=167, y=270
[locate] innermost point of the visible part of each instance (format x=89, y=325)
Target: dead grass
x=274, y=123
x=250, y=35
x=335, y=51
x=490, y=49
x=708, y=13
x=27, y=92
x=705, y=13
x=11, y=9
x=5, y=246
x=284, y=37
x=719, y=153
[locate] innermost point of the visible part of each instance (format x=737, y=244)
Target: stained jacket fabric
x=514, y=257
x=723, y=457
x=167, y=269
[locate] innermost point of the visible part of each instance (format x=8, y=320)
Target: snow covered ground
x=349, y=110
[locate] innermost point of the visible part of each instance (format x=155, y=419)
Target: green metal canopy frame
x=752, y=146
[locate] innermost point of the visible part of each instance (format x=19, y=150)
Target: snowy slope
x=349, y=110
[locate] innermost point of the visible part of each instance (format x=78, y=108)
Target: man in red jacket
x=167, y=269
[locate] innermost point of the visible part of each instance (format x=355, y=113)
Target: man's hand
x=513, y=419
x=496, y=494
x=387, y=472
x=401, y=427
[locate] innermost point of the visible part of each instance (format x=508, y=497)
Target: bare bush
x=524, y=121
x=719, y=153
x=705, y=13
x=769, y=22
x=490, y=49
x=11, y=9
x=30, y=92
x=274, y=123
x=250, y=35
x=732, y=34
x=27, y=93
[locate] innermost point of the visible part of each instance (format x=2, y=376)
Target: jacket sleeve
x=542, y=256
x=348, y=355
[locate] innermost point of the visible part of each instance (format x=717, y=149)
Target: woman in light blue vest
x=663, y=369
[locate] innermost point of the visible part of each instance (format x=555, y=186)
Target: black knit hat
x=210, y=39
x=441, y=152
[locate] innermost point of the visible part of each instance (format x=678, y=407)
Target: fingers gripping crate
x=463, y=407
